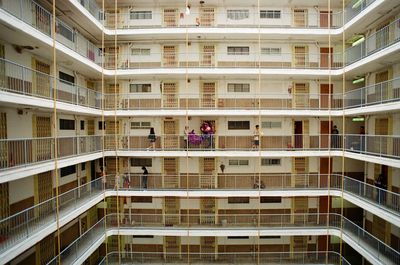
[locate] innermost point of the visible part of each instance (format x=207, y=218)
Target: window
x=238, y=88
x=140, y=51
x=67, y=124
x=65, y=31
x=238, y=162
x=142, y=236
x=140, y=162
x=271, y=162
x=270, y=199
x=238, y=125
x=140, y=125
x=239, y=200
x=140, y=88
x=83, y=166
x=271, y=51
x=270, y=14
x=142, y=199
x=238, y=237
x=271, y=124
x=65, y=171
x=270, y=237
x=102, y=126
x=82, y=125
x=238, y=14
x=66, y=78
x=238, y=50
x=141, y=15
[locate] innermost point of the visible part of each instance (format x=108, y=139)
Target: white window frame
x=269, y=162
x=237, y=14
x=270, y=14
x=140, y=125
x=238, y=87
x=140, y=51
x=139, y=88
x=238, y=50
x=271, y=124
x=271, y=51
x=238, y=162
x=140, y=15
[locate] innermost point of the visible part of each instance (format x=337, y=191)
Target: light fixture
x=358, y=119
x=360, y=40
x=357, y=4
x=358, y=80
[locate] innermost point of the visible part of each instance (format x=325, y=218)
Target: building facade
x=251, y=132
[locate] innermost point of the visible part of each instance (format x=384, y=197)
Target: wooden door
x=325, y=95
x=170, y=17
x=379, y=227
x=172, y=248
x=3, y=144
x=112, y=129
x=381, y=144
x=170, y=95
x=301, y=134
x=325, y=130
x=112, y=96
x=208, y=247
x=299, y=172
x=208, y=56
x=112, y=18
x=207, y=210
x=300, y=209
x=325, y=19
x=42, y=148
x=298, y=244
x=41, y=78
x=170, y=56
x=170, y=173
x=301, y=95
x=382, y=36
x=207, y=173
x=300, y=18
x=171, y=137
x=4, y=206
x=171, y=211
x=325, y=57
x=325, y=169
x=45, y=250
x=111, y=57
x=208, y=95
x=206, y=16
x=381, y=90
x=43, y=191
x=2, y=66
x=300, y=56
x=90, y=127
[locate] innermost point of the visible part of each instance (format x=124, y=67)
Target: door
x=3, y=145
x=208, y=56
x=300, y=17
x=170, y=95
x=300, y=56
x=42, y=19
x=381, y=142
x=41, y=78
x=208, y=95
x=300, y=209
x=42, y=148
x=207, y=173
x=170, y=57
x=301, y=96
x=382, y=36
x=207, y=210
x=206, y=16
x=43, y=192
x=325, y=95
x=4, y=207
x=301, y=137
x=112, y=129
x=111, y=57
x=171, y=137
x=170, y=17
x=112, y=19
x=325, y=169
x=171, y=211
x=325, y=130
x=112, y=96
x=325, y=19
x=299, y=172
x=208, y=247
x=2, y=67
x=382, y=87
x=170, y=173
x=172, y=248
x=325, y=54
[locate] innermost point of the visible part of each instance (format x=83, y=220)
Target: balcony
x=208, y=17
x=25, y=228
x=374, y=250
x=16, y=153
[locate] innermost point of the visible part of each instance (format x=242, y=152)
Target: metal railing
x=39, y=18
x=26, y=81
x=254, y=257
x=25, y=224
x=34, y=220
x=220, y=19
x=21, y=152
x=361, y=237
x=375, y=42
x=223, y=60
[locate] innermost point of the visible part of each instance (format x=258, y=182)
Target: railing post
x=25, y=154
x=27, y=223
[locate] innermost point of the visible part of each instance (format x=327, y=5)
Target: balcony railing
x=34, y=220
x=125, y=20
x=223, y=60
x=39, y=18
x=379, y=40
x=19, y=79
x=363, y=239
x=305, y=258
x=21, y=152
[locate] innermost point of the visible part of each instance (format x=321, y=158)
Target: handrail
x=369, y=243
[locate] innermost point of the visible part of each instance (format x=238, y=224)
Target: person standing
x=335, y=137
x=152, y=139
x=144, y=177
x=256, y=136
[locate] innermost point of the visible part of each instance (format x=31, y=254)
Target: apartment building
x=128, y=132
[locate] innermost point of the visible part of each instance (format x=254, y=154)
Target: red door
x=325, y=54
